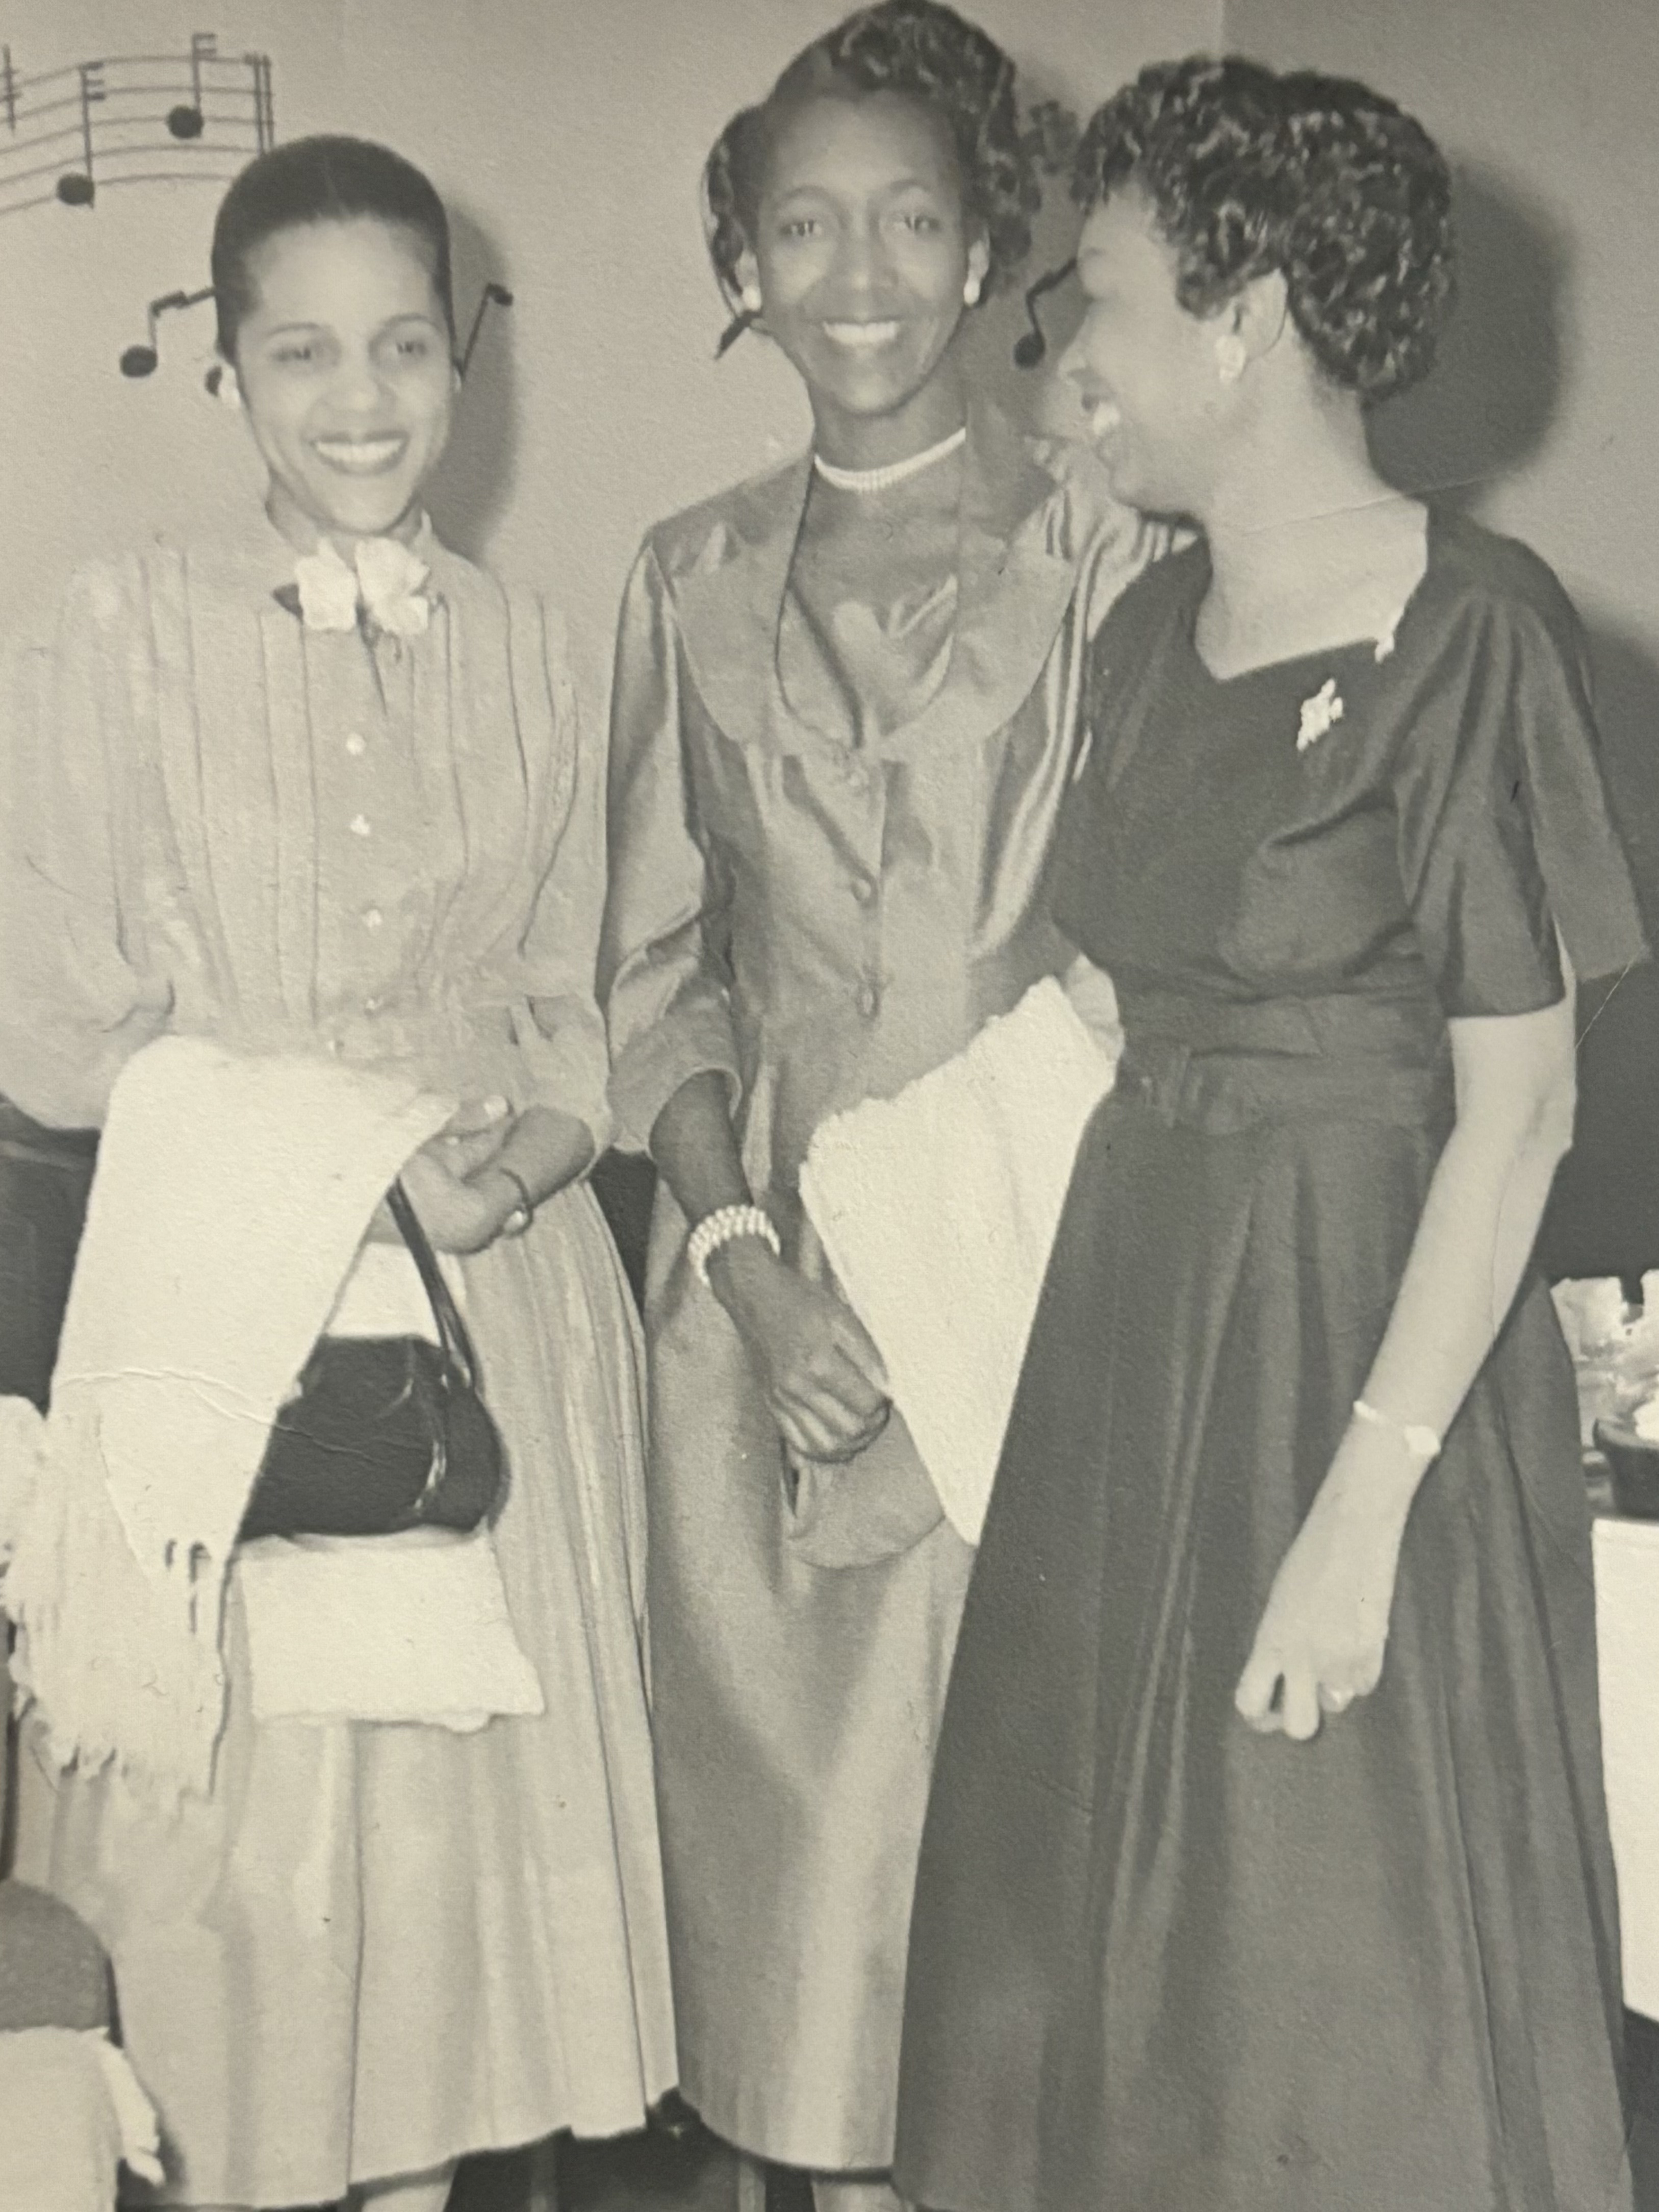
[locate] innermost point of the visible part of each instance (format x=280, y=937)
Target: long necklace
x=895, y=472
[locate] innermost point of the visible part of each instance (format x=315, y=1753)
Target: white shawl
x=938, y=1210
x=231, y=1196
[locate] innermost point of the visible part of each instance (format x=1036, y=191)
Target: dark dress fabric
x=1156, y=1959
x=45, y=1176
x=53, y=1971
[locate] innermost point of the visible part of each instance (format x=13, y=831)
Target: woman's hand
x=1323, y=1632
x=822, y=1375
x=460, y=1214
x=1321, y=1641
x=473, y=1136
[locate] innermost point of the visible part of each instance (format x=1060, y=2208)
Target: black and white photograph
x=828, y=1106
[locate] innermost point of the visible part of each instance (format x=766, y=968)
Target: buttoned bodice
x=288, y=837
x=826, y=902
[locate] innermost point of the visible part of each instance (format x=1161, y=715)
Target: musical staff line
x=92, y=124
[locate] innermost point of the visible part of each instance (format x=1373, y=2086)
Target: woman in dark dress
x=1267, y=1866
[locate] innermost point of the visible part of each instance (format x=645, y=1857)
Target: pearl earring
x=751, y=297
x=1230, y=358
x=970, y=290
x=222, y=386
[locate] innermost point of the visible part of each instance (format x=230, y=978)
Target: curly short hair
x=1248, y=172
x=319, y=180
x=928, y=53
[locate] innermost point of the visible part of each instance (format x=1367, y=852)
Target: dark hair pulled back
x=320, y=179
x=1248, y=172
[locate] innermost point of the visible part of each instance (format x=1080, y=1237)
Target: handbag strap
x=452, y=1334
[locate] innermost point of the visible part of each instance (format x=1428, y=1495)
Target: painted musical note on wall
x=67, y=133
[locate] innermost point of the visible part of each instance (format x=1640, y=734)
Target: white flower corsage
x=386, y=586
x=1318, y=713
x=328, y=589
x=394, y=582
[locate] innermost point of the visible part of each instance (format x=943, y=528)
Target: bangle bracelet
x=1422, y=1444
x=526, y=1205
x=723, y=1226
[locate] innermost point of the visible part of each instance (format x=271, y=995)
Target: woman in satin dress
x=845, y=711
x=1266, y=1868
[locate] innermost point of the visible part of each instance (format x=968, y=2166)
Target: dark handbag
x=383, y=1434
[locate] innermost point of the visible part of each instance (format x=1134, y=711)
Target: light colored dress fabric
x=71, y=2114
x=827, y=844
x=374, y=1948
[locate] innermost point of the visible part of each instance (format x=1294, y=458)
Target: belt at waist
x=1223, y=1066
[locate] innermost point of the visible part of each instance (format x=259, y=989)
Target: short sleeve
x=1505, y=834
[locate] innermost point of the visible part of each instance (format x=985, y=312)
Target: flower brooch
x=1325, y=708
x=1318, y=713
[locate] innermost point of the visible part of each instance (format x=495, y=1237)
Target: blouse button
x=359, y=825
x=356, y=746
x=863, y=890
x=372, y=918
x=372, y=1006
x=858, y=778
x=869, y=999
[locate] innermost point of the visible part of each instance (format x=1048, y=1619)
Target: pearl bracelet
x=723, y=1226
x=1421, y=1443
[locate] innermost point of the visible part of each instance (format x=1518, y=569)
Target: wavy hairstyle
x=928, y=53
x=1321, y=178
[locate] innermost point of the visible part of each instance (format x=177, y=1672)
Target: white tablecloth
x=1627, y=1626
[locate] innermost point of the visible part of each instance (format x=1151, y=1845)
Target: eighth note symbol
x=1033, y=347
x=76, y=188
x=187, y=120
x=141, y=359
x=493, y=296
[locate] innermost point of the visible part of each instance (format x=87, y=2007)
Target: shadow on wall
x=1023, y=394
x=475, y=477
x=1489, y=405
x=1486, y=411
x=1604, y=1213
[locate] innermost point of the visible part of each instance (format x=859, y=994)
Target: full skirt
x=374, y=1949
x=1158, y=1960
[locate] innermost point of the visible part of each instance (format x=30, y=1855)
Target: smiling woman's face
x=1143, y=367
x=346, y=373
x=863, y=249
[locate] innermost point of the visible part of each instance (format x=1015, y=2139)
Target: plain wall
x=568, y=137
x=1541, y=419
